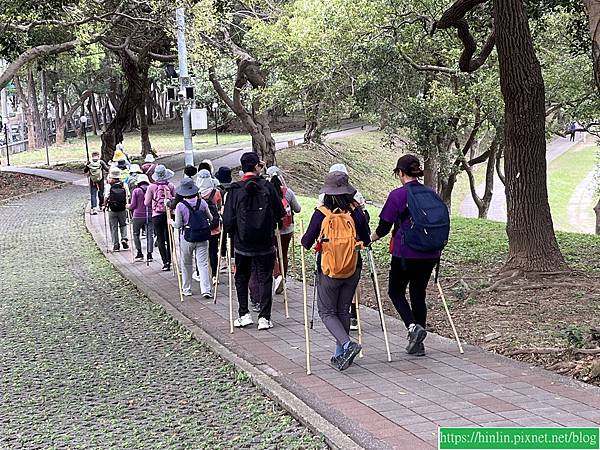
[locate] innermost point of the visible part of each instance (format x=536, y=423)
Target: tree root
x=504, y=279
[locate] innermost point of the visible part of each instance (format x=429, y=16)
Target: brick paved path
x=380, y=404
x=88, y=362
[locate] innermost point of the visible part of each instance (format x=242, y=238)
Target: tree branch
x=426, y=67
x=220, y=91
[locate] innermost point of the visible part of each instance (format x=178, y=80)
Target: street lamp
x=5, y=123
x=83, y=120
x=215, y=108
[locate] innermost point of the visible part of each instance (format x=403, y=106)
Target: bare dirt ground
x=14, y=184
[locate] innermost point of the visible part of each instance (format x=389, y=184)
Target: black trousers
x=263, y=271
x=213, y=253
x=162, y=237
x=415, y=274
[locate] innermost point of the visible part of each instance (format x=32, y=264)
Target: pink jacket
x=152, y=200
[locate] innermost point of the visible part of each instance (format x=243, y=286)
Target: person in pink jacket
x=157, y=195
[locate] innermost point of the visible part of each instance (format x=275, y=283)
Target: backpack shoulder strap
x=325, y=211
x=211, y=196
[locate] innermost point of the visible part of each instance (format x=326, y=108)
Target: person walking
x=96, y=169
x=157, y=197
x=252, y=212
x=141, y=218
x=115, y=200
x=410, y=267
x=212, y=196
x=291, y=207
x=192, y=218
x=149, y=166
x=134, y=171
x=340, y=230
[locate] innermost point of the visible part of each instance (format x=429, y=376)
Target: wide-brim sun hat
x=161, y=173
x=337, y=183
x=118, y=156
x=114, y=173
x=204, y=181
x=149, y=158
x=187, y=188
x=135, y=168
x=143, y=178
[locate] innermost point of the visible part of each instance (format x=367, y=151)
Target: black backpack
x=117, y=197
x=429, y=220
x=214, y=211
x=198, y=227
x=254, y=214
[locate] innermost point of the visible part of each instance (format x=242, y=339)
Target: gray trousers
x=334, y=297
x=138, y=226
x=187, y=250
x=118, y=223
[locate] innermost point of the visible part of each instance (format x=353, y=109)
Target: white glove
x=167, y=202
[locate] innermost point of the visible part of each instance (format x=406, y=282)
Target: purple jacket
x=395, y=209
x=140, y=210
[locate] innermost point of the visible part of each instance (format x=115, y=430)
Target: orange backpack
x=338, y=244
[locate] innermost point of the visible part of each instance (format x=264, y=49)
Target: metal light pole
x=5, y=123
x=184, y=81
x=215, y=108
x=83, y=120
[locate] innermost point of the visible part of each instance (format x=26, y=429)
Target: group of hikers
x=247, y=227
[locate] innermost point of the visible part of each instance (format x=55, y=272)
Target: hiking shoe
x=166, y=267
x=207, y=295
x=419, y=350
x=256, y=306
x=94, y=212
x=335, y=362
x=264, y=324
x=117, y=248
x=347, y=358
x=415, y=337
x=243, y=321
x=124, y=244
x=187, y=293
x=278, y=285
x=149, y=257
x=196, y=276
x=139, y=257
x=353, y=324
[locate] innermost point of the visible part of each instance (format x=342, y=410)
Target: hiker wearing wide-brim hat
x=116, y=194
x=411, y=267
x=157, y=197
x=192, y=218
x=141, y=218
x=149, y=165
x=339, y=229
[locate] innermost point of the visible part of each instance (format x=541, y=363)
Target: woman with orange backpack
x=291, y=206
x=340, y=230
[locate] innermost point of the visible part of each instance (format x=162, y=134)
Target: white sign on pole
x=199, y=119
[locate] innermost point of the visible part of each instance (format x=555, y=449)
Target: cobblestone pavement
x=88, y=362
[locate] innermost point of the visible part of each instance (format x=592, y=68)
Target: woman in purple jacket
x=409, y=268
x=142, y=218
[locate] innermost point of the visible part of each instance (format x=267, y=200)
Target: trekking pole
x=131, y=243
x=105, y=230
x=305, y=305
x=357, y=304
x=439, y=286
x=379, y=302
x=174, y=255
x=281, y=268
x=219, y=258
x=230, y=285
x=148, y=236
x=293, y=252
x=315, y=292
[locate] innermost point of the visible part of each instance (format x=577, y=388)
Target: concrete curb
x=314, y=421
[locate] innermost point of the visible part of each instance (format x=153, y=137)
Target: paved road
x=229, y=155
x=497, y=209
x=86, y=361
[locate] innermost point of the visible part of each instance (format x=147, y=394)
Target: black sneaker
x=124, y=244
x=419, y=350
x=347, y=358
x=353, y=324
x=415, y=337
x=139, y=256
x=166, y=267
x=149, y=257
x=117, y=248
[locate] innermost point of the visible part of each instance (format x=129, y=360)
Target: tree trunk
x=531, y=239
x=94, y=112
x=597, y=210
x=25, y=107
x=431, y=170
x=38, y=135
x=137, y=75
x=447, y=186
x=592, y=8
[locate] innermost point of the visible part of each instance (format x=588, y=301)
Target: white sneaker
x=207, y=295
x=264, y=324
x=196, y=276
x=187, y=293
x=243, y=321
x=276, y=283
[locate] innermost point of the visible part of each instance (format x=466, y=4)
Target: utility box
x=199, y=119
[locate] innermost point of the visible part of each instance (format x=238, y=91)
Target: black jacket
x=232, y=205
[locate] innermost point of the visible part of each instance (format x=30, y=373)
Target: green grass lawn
x=165, y=139
x=564, y=174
